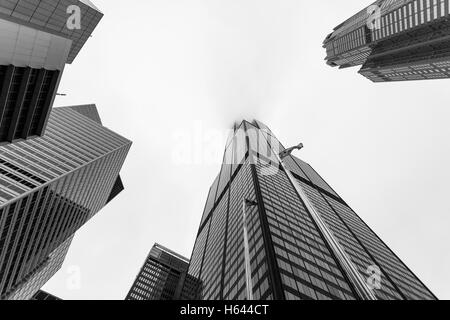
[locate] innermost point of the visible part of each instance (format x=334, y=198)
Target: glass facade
x=54, y=262
x=260, y=239
x=50, y=187
x=395, y=40
x=26, y=95
x=42, y=295
x=161, y=277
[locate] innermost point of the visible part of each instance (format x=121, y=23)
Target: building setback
x=50, y=187
x=161, y=277
x=272, y=228
x=35, y=45
x=395, y=40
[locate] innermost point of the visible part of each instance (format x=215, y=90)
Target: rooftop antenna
x=288, y=152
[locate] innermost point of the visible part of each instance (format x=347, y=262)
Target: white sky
x=158, y=68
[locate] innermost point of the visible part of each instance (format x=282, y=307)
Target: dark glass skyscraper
x=272, y=228
x=35, y=44
x=161, y=277
x=395, y=40
x=50, y=187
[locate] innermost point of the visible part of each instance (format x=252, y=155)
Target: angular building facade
x=90, y=111
x=36, y=280
x=35, y=44
x=50, y=187
x=161, y=277
x=395, y=40
x=272, y=228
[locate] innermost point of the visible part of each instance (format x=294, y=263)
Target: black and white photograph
x=229, y=158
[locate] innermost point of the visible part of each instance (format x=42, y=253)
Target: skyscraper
x=50, y=187
x=272, y=228
x=161, y=277
x=395, y=40
x=36, y=41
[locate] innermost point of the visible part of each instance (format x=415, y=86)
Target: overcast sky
x=162, y=70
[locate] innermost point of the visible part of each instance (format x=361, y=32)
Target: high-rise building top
x=51, y=17
x=90, y=111
x=61, y=151
x=161, y=277
x=273, y=228
x=35, y=44
x=53, y=184
x=50, y=187
x=395, y=40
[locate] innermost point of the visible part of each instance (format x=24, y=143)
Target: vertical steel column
x=248, y=270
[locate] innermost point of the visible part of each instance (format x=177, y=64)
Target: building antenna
x=288, y=152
